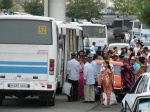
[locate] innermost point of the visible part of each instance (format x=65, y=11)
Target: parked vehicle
x=109, y=26
x=140, y=104
x=28, y=58
x=110, y=12
x=95, y=21
x=119, y=46
x=141, y=85
x=117, y=78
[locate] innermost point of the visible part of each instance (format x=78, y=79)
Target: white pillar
x=55, y=9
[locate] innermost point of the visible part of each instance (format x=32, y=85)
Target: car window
x=142, y=84
x=146, y=85
x=136, y=84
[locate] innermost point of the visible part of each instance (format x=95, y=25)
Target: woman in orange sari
x=143, y=68
x=107, y=82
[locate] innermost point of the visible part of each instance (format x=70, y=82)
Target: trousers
x=89, y=93
x=74, y=90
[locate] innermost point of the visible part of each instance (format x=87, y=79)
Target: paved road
x=32, y=105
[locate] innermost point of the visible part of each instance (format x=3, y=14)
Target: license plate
x=18, y=85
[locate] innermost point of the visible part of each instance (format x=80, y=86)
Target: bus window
x=130, y=25
x=32, y=32
x=118, y=24
x=94, y=31
x=144, y=26
x=81, y=39
x=71, y=40
x=67, y=37
x=74, y=40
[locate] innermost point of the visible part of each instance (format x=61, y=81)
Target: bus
x=134, y=28
x=94, y=33
x=28, y=57
x=70, y=40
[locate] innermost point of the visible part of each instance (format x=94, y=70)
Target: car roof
x=115, y=44
x=147, y=74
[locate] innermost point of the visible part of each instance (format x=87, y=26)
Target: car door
x=127, y=107
x=130, y=97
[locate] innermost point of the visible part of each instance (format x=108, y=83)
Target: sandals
x=105, y=106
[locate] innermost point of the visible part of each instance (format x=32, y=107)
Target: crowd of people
x=82, y=70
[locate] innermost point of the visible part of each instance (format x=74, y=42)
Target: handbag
x=66, y=88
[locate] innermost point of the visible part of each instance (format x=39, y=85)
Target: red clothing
x=130, y=56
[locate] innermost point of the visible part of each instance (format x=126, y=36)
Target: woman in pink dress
x=107, y=82
x=81, y=80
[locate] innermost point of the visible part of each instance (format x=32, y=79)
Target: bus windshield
x=118, y=23
x=144, y=26
x=94, y=31
x=137, y=24
x=25, y=32
x=130, y=25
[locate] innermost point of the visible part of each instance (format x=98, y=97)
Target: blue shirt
x=136, y=67
x=125, y=55
x=96, y=69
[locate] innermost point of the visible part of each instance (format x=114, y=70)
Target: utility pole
x=55, y=9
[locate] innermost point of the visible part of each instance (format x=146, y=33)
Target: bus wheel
x=52, y=103
x=43, y=103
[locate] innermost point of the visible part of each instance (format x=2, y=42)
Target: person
x=122, y=51
x=116, y=58
x=133, y=42
x=127, y=75
x=127, y=37
x=73, y=70
x=99, y=52
x=87, y=53
x=148, y=67
x=92, y=48
x=142, y=68
x=96, y=68
x=115, y=51
x=136, y=48
x=147, y=54
x=125, y=51
x=89, y=81
x=135, y=65
x=122, y=37
x=81, y=80
x=121, y=58
x=131, y=53
x=107, y=82
x=141, y=47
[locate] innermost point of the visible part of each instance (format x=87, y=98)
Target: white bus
x=145, y=31
x=94, y=33
x=134, y=28
x=70, y=39
x=28, y=57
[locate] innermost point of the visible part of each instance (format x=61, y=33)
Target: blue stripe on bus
x=96, y=48
x=23, y=63
x=28, y=70
x=148, y=35
x=136, y=33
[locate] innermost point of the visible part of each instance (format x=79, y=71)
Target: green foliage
x=124, y=7
x=83, y=9
x=35, y=7
x=6, y=4
x=143, y=14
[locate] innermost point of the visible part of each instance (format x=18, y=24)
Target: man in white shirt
x=136, y=48
x=73, y=71
x=133, y=42
x=127, y=37
x=92, y=48
x=147, y=53
x=89, y=81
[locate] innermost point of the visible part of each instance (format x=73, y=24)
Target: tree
x=124, y=7
x=6, y=4
x=143, y=14
x=83, y=9
x=34, y=7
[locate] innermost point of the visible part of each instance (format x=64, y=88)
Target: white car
x=141, y=104
x=141, y=85
x=119, y=46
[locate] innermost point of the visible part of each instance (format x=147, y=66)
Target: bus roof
x=135, y=20
x=91, y=25
x=26, y=17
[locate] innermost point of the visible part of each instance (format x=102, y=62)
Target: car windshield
x=94, y=31
x=118, y=46
x=117, y=70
